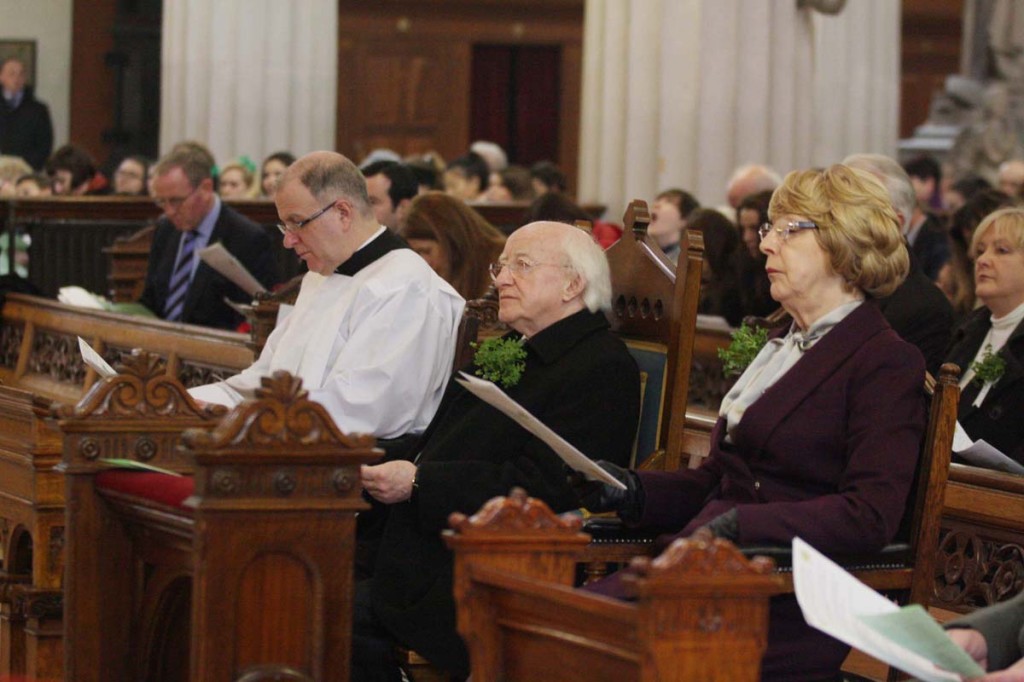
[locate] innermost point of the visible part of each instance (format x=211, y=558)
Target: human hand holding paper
x=495, y=397
x=839, y=605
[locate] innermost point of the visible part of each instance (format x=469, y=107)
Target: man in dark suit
x=921, y=314
x=25, y=127
x=553, y=283
x=917, y=310
x=180, y=287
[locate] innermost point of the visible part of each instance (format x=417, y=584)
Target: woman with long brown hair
x=454, y=240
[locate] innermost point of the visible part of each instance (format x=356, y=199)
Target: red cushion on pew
x=161, y=488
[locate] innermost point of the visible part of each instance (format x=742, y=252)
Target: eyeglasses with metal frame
x=783, y=231
x=285, y=228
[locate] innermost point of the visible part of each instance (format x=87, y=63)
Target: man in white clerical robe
x=372, y=334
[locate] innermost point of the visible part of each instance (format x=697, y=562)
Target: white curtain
x=678, y=93
x=249, y=76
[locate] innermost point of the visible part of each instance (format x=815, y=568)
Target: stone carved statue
x=981, y=147
x=980, y=131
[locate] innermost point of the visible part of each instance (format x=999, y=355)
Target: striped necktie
x=180, y=278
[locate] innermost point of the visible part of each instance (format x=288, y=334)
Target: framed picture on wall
x=24, y=51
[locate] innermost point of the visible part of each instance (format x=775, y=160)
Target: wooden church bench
x=245, y=567
x=701, y=609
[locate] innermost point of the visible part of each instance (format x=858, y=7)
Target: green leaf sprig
x=500, y=360
x=746, y=343
x=990, y=368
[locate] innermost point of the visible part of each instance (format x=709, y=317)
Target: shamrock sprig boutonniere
x=990, y=369
x=500, y=360
x=746, y=343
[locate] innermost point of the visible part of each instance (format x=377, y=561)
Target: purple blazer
x=827, y=453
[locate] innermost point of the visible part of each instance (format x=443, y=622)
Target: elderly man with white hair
x=553, y=284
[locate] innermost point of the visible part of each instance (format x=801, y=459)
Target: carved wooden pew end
x=701, y=609
x=250, y=575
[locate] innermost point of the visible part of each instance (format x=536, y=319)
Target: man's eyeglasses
x=285, y=228
x=783, y=231
x=174, y=202
x=518, y=268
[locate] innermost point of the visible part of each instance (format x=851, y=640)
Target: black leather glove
x=600, y=497
x=726, y=525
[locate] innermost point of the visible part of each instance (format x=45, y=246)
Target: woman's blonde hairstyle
x=857, y=226
x=249, y=178
x=1009, y=221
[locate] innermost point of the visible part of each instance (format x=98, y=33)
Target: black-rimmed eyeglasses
x=285, y=228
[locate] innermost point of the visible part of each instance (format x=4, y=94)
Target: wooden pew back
x=39, y=349
x=654, y=307
x=701, y=610
x=252, y=577
x=96, y=243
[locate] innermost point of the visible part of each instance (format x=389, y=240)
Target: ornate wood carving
x=240, y=460
x=708, y=384
x=515, y=513
x=30, y=602
x=973, y=571
x=281, y=414
x=141, y=389
x=191, y=374
x=113, y=354
x=57, y=356
x=10, y=583
x=10, y=343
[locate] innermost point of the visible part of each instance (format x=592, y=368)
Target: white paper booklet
x=497, y=398
x=839, y=605
x=221, y=260
x=95, y=360
x=79, y=297
x=980, y=453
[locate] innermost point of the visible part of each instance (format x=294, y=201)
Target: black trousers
x=374, y=657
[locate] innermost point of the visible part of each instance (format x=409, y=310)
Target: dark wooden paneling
x=420, y=52
x=92, y=83
x=931, y=41
x=491, y=84
x=537, y=122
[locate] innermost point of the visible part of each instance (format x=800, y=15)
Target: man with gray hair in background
x=553, y=284
x=372, y=334
x=750, y=179
x=917, y=310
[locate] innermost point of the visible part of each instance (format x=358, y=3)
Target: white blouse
x=774, y=360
